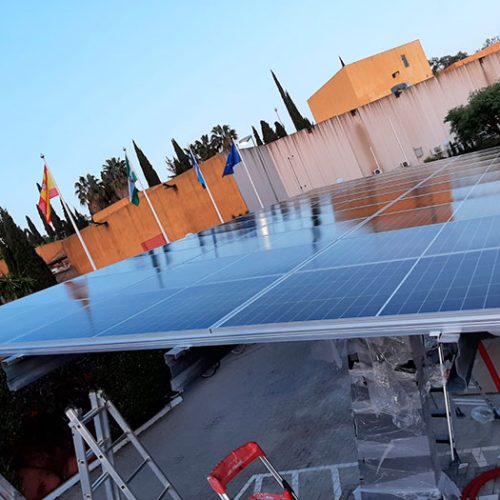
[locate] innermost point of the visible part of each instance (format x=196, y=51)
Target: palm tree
x=13, y=287
x=81, y=190
x=204, y=148
x=221, y=138
x=91, y=192
x=114, y=178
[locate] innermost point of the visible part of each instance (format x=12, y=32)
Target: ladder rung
x=118, y=440
x=137, y=470
x=91, y=414
x=99, y=439
x=90, y=454
x=99, y=481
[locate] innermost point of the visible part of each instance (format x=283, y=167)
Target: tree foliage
x=96, y=194
x=51, y=234
x=180, y=163
x=20, y=255
x=32, y=418
x=280, y=130
x=14, y=287
x=203, y=148
x=439, y=63
x=478, y=121
x=258, y=140
x=58, y=224
x=147, y=169
x=490, y=41
x=268, y=134
x=91, y=193
x=222, y=137
x=298, y=120
x=35, y=238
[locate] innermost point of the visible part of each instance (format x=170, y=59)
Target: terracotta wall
x=51, y=251
x=185, y=210
x=384, y=133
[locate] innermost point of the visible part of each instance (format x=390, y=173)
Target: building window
x=405, y=61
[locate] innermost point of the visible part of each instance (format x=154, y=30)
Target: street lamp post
x=279, y=119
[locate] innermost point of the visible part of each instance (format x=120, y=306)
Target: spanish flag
x=49, y=190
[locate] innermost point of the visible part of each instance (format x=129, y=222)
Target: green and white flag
x=133, y=192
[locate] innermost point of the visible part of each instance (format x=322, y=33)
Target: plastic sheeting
x=396, y=455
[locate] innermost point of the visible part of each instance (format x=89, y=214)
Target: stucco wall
x=389, y=131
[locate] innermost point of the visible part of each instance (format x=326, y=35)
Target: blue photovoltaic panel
x=390, y=245
x=466, y=235
x=401, y=245
x=453, y=282
x=192, y=308
x=329, y=294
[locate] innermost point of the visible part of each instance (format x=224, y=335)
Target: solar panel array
x=401, y=253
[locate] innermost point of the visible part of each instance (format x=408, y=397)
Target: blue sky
x=79, y=80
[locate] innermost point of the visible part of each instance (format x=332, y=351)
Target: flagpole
x=209, y=192
x=73, y=222
x=155, y=215
x=249, y=176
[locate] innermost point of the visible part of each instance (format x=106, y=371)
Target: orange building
x=474, y=57
x=370, y=79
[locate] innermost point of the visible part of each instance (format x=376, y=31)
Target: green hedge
x=137, y=382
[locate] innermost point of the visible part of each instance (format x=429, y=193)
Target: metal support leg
x=82, y=463
x=279, y=478
x=103, y=435
x=446, y=395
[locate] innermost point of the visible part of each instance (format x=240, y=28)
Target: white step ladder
x=87, y=445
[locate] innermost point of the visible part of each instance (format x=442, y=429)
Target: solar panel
x=401, y=253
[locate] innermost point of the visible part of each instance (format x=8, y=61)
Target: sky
x=80, y=80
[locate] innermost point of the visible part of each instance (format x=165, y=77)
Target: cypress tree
x=48, y=228
x=147, y=169
x=67, y=222
x=36, y=237
x=59, y=225
x=298, y=120
x=184, y=162
x=81, y=221
x=268, y=134
x=20, y=256
x=30, y=237
x=280, y=130
x=258, y=140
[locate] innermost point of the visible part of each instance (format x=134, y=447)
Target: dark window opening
x=405, y=61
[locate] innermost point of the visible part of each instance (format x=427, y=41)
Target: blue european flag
x=233, y=158
x=199, y=175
